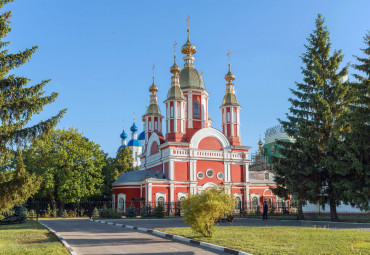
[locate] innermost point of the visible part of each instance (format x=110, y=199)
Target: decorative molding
x=208, y=132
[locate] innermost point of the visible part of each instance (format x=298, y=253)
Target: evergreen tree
x=317, y=123
x=18, y=103
x=124, y=161
x=354, y=148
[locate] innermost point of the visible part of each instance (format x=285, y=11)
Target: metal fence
x=44, y=208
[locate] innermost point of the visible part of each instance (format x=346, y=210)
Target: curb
x=71, y=251
x=176, y=238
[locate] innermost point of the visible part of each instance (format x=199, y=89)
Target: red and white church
x=192, y=156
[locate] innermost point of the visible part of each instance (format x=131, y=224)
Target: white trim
x=208, y=132
x=269, y=191
x=158, y=195
x=153, y=138
x=181, y=195
x=123, y=209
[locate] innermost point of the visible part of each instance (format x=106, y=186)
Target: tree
x=70, y=165
x=202, y=210
x=317, y=123
x=18, y=103
x=354, y=149
x=110, y=174
x=124, y=161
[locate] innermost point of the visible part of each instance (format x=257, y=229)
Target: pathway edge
x=175, y=237
x=64, y=242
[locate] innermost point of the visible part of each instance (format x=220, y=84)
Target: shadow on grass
x=29, y=224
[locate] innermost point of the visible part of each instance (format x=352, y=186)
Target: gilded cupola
x=230, y=98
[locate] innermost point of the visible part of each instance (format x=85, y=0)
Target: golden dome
x=188, y=48
x=191, y=78
x=153, y=88
x=230, y=100
x=175, y=69
x=229, y=77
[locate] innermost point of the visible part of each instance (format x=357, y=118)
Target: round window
x=220, y=176
x=200, y=175
x=210, y=173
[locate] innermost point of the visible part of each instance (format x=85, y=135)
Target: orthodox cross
x=228, y=54
x=153, y=72
x=187, y=20
x=134, y=117
x=174, y=46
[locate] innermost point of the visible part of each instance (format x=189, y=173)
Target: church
x=191, y=156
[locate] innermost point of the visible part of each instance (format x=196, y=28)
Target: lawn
x=343, y=218
x=285, y=240
x=29, y=238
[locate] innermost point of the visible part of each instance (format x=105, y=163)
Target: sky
x=99, y=55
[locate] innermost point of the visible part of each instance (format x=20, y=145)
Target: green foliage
x=146, y=211
x=31, y=214
x=110, y=214
x=16, y=215
x=65, y=214
x=110, y=174
x=18, y=103
x=317, y=123
x=124, y=162
x=69, y=164
x=95, y=213
x=131, y=212
x=159, y=211
x=202, y=210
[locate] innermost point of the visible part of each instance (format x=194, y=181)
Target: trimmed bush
x=202, y=210
x=95, y=213
x=131, y=212
x=109, y=214
x=146, y=211
x=159, y=211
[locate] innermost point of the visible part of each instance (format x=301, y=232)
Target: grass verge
x=342, y=218
x=284, y=240
x=31, y=238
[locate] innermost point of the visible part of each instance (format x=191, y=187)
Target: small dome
x=229, y=77
x=188, y=48
x=230, y=99
x=153, y=88
x=191, y=78
x=121, y=147
x=134, y=143
x=175, y=93
x=141, y=136
x=123, y=135
x=134, y=128
x=175, y=69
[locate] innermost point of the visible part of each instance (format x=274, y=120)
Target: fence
x=44, y=208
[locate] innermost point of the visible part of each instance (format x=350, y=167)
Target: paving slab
x=86, y=237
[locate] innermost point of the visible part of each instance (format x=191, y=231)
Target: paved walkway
x=86, y=237
x=177, y=222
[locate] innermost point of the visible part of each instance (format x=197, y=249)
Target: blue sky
x=99, y=55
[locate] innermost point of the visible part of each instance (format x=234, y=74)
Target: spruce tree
x=354, y=147
x=18, y=103
x=320, y=101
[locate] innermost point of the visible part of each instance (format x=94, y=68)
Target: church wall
x=181, y=171
x=166, y=169
x=237, y=173
x=161, y=188
x=154, y=149
x=156, y=168
x=216, y=166
x=130, y=192
x=209, y=143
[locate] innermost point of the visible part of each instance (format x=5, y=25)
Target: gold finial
x=260, y=145
x=228, y=54
x=153, y=72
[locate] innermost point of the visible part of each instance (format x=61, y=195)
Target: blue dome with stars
x=141, y=136
x=123, y=135
x=134, y=128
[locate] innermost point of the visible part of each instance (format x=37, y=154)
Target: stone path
x=86, y=237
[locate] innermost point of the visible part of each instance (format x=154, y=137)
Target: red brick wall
x=210, y=143
x=216, y=166
x=181, y=171
x=237, y=173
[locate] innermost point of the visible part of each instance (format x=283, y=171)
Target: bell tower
x=230, y=109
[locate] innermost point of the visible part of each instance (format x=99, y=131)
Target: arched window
x=121, y=202
x=254, y=202
x=160, y=201
x=196, y=110
x=238, y=203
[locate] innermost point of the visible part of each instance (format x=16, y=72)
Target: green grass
x=29, y=237
x=285, y=240
x=342, y=218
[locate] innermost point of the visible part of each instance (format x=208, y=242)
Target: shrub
x=159, y=211
x=109, y=214
x=64, y=214
x=16, y=215
x=131, y=212
x=202, y=210
x=31, y=214
x=146, y=211
x=95, y=213
x=72, y=214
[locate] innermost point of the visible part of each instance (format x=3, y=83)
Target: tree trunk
x=333, y=210
x=53, y=202
x=300, y=215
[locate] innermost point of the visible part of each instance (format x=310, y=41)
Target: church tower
x=194, y=89
x=231, y=110
x=175, y=107
x=152, y=117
